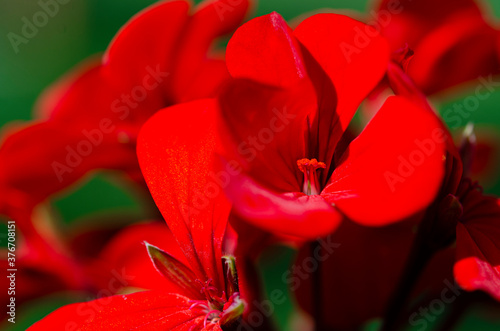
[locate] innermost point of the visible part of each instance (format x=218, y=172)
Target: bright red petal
x=105, y=120
x=66, y=155
x=207, y=81
x=354, y=62
x=393, y=169
x=140, y=311
x=145, y=44
x=478, y=253
x=264, y=50
x=269, y=130
x=67, y=102
x=175, y=150
x=297, y=215
x=211, y=20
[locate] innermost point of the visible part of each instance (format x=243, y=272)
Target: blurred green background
x=85, y=27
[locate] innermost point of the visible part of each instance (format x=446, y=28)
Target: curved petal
x=211, y=20
x=444, y=36
x=59, y=99
x=393, y=169
x=84, y=98
x=135, y=51
x=126, y=253
x=354, y=57
x=66, y=156
x=478, y=246
x=139, y=311
x=175, y=150
x=264, y=50
x=407, y=21
x=269, y=130
x=466, y=42
x=295, y=215
x=403, y=85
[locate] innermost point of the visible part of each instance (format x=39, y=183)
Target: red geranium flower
x=176, y=162
x=287, y=110
x=91, y=118
x=445, y=36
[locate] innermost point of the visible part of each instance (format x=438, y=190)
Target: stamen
x=216, y=318
x=311, y=182
x=202, y=304
x=211, y=293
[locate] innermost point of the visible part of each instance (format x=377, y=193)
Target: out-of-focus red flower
x=293, y=95
x=39, y=268
x=91, y=118
x=452, y=40
x=477, y=264
x=177, y=163
x=100, y=261
x=463, y=213
x=122, y=261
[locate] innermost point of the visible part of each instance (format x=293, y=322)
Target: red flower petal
x=444, y=36
x=137, y=49
x=207, y=81
x=354, y=61
x=296, y=215
x=269, y=130
x=466, y=42
x=408, y=21
x=139, y=311
x=211, y=20
x=126, y=252
x=393, y=169
x=478, y=254
x=61, y=98
x=67, y=102
x=349, y=273
x=66, y=156
x=403, y=85
x=265, y=51
x=175, y=150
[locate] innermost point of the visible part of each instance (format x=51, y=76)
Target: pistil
x=311, y=181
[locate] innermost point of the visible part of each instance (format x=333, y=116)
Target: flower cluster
x=317, y=135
